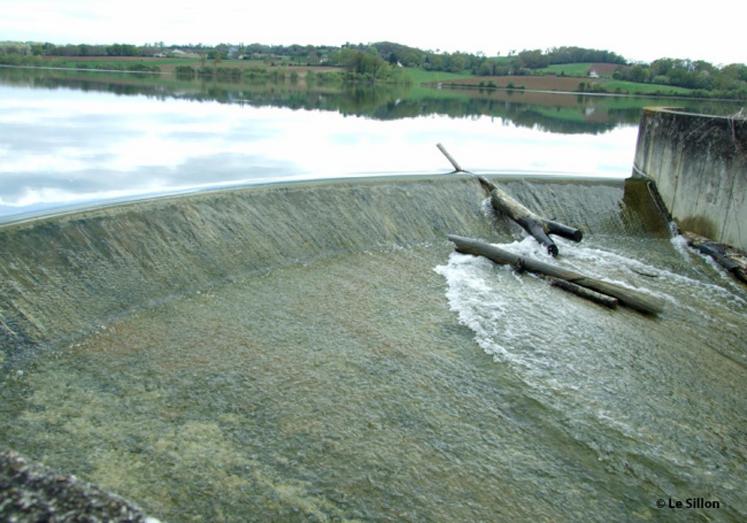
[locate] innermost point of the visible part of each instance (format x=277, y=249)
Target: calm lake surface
x=72, y=138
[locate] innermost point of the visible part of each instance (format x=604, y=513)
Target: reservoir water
x=316, y=351
x=72, y=138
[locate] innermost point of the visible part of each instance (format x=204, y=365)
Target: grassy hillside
x=419, y=76
x=574, y=77
x=614, y=86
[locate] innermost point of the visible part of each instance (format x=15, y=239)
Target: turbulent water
x=369, y=372
x=654, y=399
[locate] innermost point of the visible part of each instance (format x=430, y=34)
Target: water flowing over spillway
x=318, y=352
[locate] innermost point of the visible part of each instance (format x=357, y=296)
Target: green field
x=612, y=86
x=419, y=76
x=415, y=76
x=608, y=85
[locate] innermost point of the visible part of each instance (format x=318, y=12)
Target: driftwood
x=539, y=227
x=630, y=298
x=457, y=167
x=583, y=292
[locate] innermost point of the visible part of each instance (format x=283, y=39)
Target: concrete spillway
x=317, y=351
x=67, y=274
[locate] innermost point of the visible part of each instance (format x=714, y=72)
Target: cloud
x=636, y=29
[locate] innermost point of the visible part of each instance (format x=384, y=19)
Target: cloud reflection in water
x=61, y=146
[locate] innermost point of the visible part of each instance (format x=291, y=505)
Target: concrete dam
x=318, y=351
x=699, y=164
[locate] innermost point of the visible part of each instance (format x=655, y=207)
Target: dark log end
x=538, y=231
x=565, y=231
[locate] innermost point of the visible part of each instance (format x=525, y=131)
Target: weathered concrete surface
x=278, y=395
x=64, y=276
x=33, y=492
x=699, y=164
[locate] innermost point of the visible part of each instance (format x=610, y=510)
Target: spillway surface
x=380, y=376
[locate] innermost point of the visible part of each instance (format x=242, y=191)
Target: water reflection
x=68, y=137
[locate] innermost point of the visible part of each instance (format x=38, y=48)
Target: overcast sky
x=639, y=30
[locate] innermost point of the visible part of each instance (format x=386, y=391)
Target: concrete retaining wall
x=699, y=164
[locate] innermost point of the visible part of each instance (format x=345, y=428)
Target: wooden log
x=486, y=184
x=628, y=297
x=583, y=292
x=457, y=167
x=529, y=221
x=728, y=257
x=537, y=226
x=565, y=231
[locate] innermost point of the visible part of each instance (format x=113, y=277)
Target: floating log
x=631, y=298
x=537, y=226
x=583, y=292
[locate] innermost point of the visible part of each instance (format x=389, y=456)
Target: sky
x=639, y=30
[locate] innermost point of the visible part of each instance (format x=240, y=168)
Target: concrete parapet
x=699, y=164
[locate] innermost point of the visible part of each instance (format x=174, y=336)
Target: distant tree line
x=48, y=49
x=381, y=61
x=686, y=73
x=705, y=78
x=366, y=65
x=480, y=64
x=536, y=58
x=392, y=53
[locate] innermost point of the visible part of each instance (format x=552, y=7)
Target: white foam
x=479, y=307
x=603, y=262
x=487, y=209
x=679, y=243
x=488, y=304
x=575, y=357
